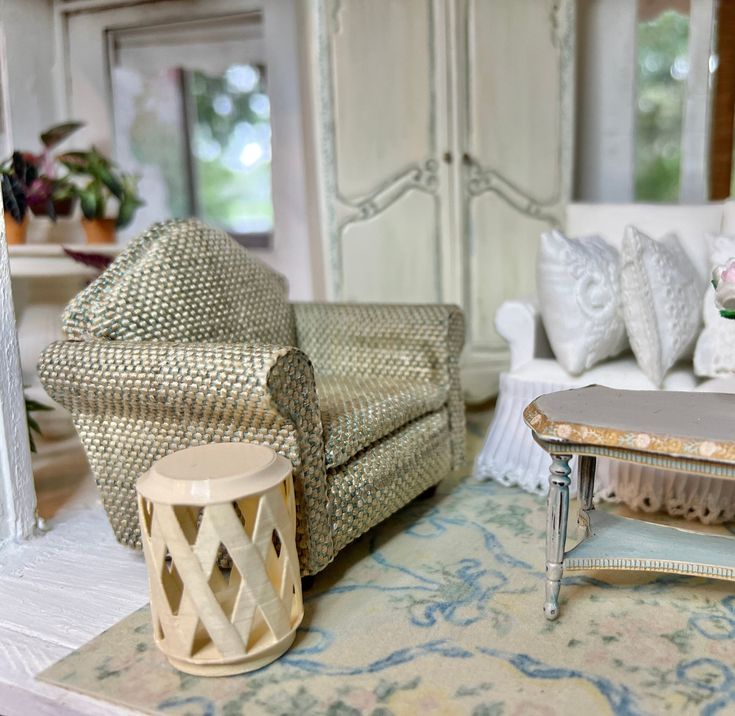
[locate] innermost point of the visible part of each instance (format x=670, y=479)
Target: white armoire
x=443, y=134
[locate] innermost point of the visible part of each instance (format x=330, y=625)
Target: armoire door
x=514, y=69
x=382, y=121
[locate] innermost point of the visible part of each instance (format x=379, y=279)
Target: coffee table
x=687, y=432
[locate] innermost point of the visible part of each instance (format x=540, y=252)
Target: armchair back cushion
x=183, y=281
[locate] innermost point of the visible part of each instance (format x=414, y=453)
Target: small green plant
x=103, y=187
x=30, y=181
x=33, y=427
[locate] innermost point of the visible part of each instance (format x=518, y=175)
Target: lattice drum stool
x=197, y=507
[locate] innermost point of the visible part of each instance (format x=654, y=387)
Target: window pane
x=231, y=144
x=192, y=119
x=663, y=67
x=149, y=141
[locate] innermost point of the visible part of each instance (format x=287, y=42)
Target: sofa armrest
x=421, y=342
x=519, y=323
x=134, y=402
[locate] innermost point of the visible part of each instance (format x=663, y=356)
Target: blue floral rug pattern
x=438, y=611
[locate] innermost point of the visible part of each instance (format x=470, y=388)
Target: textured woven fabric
x=184, y=281
x=134, y=402
x=379, y=481
x=358, y=411
x=421, y=342
x=185, y=340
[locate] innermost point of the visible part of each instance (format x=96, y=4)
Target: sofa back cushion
x=690, y=223
x=183, y=281
x=728, y=217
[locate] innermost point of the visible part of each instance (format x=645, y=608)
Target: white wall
x=296, y=251
x=28, y=29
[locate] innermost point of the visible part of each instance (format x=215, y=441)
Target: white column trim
x=697, y=115
x=605, y=157
x=17, y=491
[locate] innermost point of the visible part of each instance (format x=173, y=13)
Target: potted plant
x=54, y=195
x=107, y=196
x=29, y=181
x=15, y=208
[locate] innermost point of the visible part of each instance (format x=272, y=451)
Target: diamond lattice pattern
x=207, y=611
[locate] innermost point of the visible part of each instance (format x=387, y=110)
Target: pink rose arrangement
x=723, y=279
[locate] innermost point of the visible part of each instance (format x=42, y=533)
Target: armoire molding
x=340, y=211
x=480, y=179
x=475, y=193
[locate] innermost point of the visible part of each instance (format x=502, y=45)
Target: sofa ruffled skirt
x=510, y=456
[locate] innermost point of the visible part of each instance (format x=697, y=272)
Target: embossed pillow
x=662, y=301
x=714, y=355
x=579, y=292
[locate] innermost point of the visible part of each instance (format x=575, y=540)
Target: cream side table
x=689, y=432
x=203, y=506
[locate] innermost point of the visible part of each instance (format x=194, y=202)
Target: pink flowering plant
x=723, y=279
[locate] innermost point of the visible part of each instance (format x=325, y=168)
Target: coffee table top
x=693, y=426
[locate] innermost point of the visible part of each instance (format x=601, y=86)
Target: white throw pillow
x=714, y=355
x=579, y=291
x=662, y=294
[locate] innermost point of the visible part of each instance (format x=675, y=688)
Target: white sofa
x=512, y=457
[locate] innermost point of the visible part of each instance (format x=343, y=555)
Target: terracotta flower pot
x=64, y=208
x=15, y=233
x=99, y=231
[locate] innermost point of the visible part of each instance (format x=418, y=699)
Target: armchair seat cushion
x=357, y=411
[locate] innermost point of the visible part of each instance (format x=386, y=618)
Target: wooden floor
x=57, y=591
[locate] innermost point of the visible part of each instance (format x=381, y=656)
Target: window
x=662, y=71
x=192, y=118
x=647, y=70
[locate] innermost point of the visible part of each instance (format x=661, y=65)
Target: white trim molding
x=697, y=111
x=17, y=492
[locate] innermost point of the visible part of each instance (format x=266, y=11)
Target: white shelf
x=47, y=260
x=630, y=544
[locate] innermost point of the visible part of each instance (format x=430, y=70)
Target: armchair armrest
x=519, y=323
x=422, y=342
x=134, y=402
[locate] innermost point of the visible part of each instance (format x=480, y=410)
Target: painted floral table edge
x=549, y=430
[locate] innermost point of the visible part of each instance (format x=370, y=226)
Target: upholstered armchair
x=187, y=339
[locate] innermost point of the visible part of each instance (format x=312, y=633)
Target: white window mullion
x=605, y=152
x=695, y=131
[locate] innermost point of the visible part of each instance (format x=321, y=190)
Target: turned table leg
x=556, y=530
x=587, y=464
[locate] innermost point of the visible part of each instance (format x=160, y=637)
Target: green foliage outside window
x=662, y=70
x=231, y=147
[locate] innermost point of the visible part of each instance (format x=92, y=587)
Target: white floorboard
x=57, y=591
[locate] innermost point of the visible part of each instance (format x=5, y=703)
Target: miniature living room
x=367, y=357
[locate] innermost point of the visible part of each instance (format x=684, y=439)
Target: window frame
x=606, y=96
x=115, y=38
x=296, y=248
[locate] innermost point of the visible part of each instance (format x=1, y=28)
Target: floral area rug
x=438, y=611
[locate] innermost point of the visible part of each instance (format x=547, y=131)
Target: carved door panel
x=382, y=116
x=444, y=130
x=516, y=84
